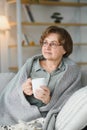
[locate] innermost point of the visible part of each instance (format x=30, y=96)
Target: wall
x=3, y=41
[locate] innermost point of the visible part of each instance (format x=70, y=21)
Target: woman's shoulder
x=69, y=61
x=35, y=57
x=72, y=65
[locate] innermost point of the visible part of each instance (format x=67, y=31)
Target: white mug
x=37, y=83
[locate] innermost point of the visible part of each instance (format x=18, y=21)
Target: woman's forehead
x=53, y=36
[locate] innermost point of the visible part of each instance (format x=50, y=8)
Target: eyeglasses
x=51, y=44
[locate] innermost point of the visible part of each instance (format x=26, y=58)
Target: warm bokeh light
x=4, y=24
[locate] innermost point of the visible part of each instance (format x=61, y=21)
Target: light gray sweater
x=14, y=106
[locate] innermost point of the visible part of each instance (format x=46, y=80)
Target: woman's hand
x=43, y=94
x=27, y=87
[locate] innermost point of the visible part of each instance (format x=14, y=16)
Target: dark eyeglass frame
x=52, y=44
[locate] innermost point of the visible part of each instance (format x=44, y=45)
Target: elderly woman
x=17, y=102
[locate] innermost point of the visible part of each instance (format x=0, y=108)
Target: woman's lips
x=48, y=53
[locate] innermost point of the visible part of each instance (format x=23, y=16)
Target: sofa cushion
x=73, y=116
x=4, y=79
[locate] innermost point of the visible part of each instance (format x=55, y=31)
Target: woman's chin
x=48, y=57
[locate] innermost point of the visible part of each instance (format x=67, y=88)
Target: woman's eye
x=44, y=42
x=53, y=44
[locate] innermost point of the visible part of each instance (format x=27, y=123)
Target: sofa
x=73, y=115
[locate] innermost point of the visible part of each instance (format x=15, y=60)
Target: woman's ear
x=64, y=51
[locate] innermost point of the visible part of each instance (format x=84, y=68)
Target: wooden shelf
x=80, y=44
x=53, y=3
x=43, y=2
x=24, y=1
x=47, y=24
x=75, y=44
x=82, y=63
x=11, y=1
x=12, y=24
x=14, y=46
x=14, y=69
